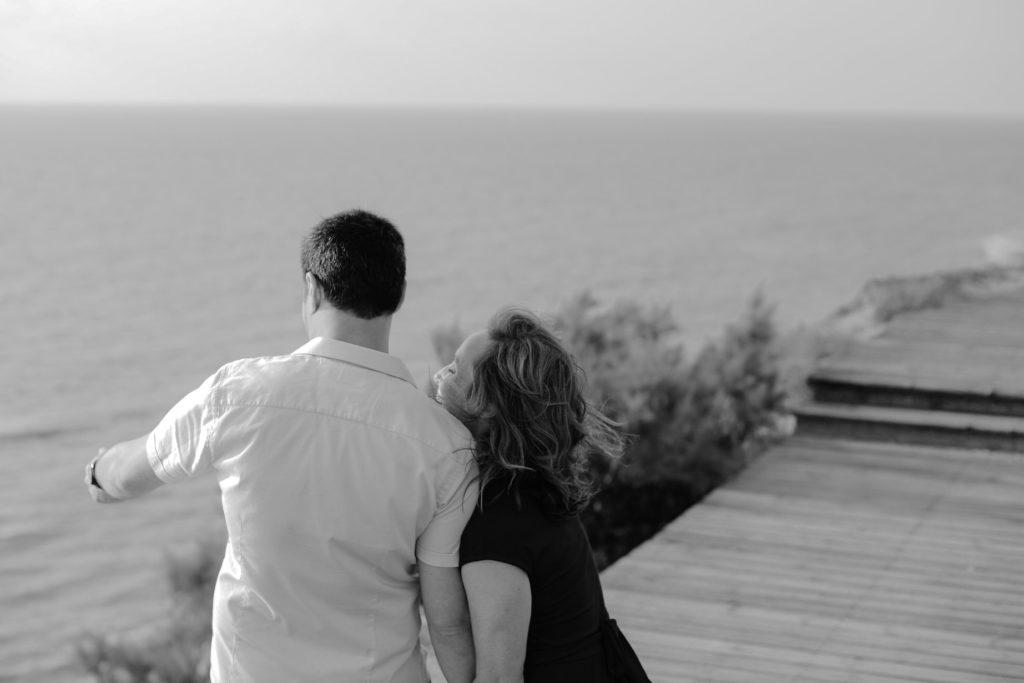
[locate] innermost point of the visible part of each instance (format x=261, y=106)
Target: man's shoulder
x=255, y=369
x=248, y=380
x=388, y=402
x=248, y=364
x=429, y=422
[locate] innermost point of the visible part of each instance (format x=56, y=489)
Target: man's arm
x=121, y=472
x=444, y=603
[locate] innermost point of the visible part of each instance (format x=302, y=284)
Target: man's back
x=336, y=475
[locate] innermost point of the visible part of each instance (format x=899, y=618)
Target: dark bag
x=622, y=663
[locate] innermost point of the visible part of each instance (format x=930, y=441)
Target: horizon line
x=782, y=112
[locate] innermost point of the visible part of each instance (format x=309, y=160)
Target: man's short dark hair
x=359, y=260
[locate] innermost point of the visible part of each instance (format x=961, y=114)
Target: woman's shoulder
x=512, y=508
x=502, y=501
x=500, y=529
x=525, y=495
x=517, y=530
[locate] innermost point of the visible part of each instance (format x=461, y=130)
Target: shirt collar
x=356, y=355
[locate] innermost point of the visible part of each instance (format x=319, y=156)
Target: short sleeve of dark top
x=563, y=643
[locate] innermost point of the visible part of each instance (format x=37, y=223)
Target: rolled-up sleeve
x=438, y=545
x=179, y=447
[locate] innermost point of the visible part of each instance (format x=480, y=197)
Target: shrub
x=178, y=652
x=731, y=399
x=633, y=363
x=446, y=341
x=692, y=426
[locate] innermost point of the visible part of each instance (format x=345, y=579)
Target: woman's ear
x=478, y=426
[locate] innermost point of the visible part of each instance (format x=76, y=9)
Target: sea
x=141, y=248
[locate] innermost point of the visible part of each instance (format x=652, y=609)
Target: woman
x=534, y=595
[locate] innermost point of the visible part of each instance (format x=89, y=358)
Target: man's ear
x=401, y=299
x=314, y=292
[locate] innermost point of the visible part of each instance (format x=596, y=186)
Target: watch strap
x=92, y=473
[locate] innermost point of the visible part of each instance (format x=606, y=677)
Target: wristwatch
x=92, y=473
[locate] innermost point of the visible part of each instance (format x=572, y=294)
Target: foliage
x=730, y=398
x=446, y=341
x=690, y=426
x=178, y=652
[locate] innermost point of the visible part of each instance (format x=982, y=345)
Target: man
x=345, y=489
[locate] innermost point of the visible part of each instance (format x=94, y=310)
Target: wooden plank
x=929, y=363
x=927, y=418
x=829, y=666
x=885, y=350
x=919, y=545
x=954, y=324
x=887, y=649
x=922, y=647
x=831, y=598
x=838, y=561
x=964, y=378
x=984, y=314
x=819, y=595
x=950, y=334
x=747, y=619
x=868, y=376
x=883, y=347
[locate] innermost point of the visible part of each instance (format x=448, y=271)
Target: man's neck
x=333, y=324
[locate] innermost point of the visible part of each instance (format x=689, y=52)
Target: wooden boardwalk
x=858, y=561
x=834, y=560
x=963, y=347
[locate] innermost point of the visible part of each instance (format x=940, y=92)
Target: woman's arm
x=444, y=603
x=499, y=610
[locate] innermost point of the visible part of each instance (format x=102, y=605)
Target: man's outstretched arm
x=447, y=612
x=121, y=472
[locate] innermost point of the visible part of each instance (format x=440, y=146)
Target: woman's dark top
x=563, y=643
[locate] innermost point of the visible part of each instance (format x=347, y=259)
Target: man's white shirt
x=336, y=474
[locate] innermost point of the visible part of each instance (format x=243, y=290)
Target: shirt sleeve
x=179, y=447
x=438, y=545
x=497, y=534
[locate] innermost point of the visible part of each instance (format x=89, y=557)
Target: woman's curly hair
x=528, y=391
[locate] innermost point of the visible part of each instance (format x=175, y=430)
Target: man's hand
x=98, y=494
x=121, y=472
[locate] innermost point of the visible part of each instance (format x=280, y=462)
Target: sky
x=942, y=57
